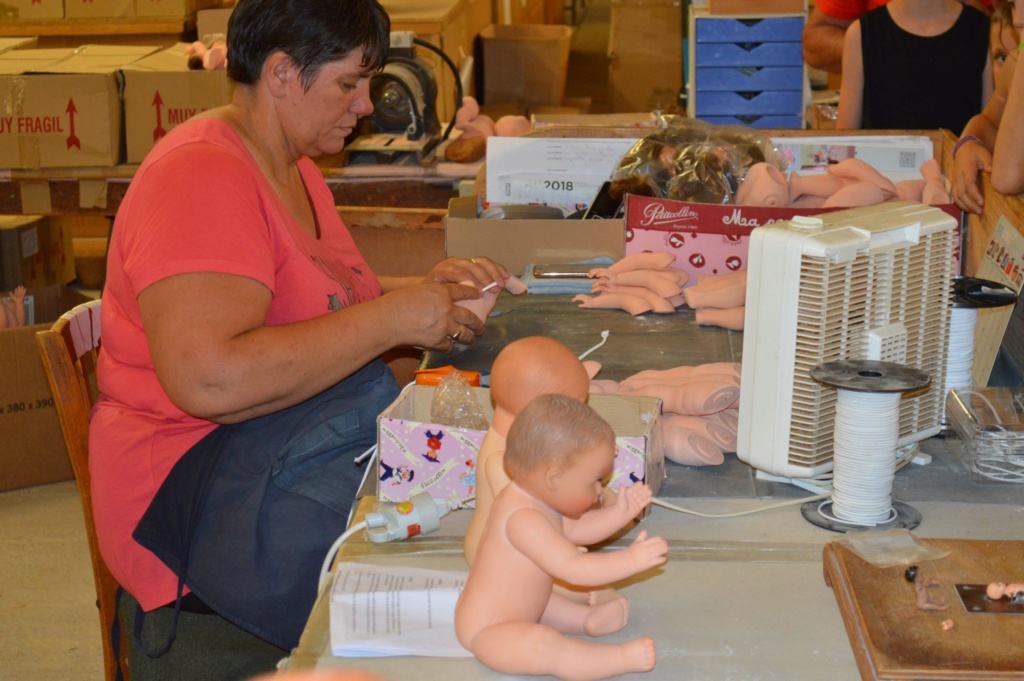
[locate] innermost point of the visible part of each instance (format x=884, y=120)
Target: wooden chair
x=69, y=349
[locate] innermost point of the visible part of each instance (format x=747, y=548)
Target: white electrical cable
x=864, y=461
x=604, y=339
x=998, y=452
x=760, y=509
x=325, y=568
x=960, y=355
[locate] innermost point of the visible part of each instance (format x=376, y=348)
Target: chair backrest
x=69, y=350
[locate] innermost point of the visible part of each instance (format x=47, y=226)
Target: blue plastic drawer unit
x=747, y=70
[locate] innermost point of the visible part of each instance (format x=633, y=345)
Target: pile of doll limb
x=642, y=282
x=689, y=160
x=847, y=184
x=210, y=53
x=12, y=309
x=700, y=406
x=719, y=300
x=476, y=127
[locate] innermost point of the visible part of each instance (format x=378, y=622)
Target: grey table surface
x=739, y=598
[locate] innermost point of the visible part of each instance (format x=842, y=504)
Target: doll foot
x=607, y=618
x=638, y=655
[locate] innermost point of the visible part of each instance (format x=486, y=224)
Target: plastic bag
x=689, y=160
x=891, y=548
x=454, y=404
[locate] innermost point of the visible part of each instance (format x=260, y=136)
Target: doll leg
x=592, y=618
x=582, y=595
x=528, y=648
x=18, y=298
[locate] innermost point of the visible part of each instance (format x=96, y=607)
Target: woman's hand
x=971, y=159
x=482, y=271
x=427, y=316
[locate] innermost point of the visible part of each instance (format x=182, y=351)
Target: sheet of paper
x=1003, y=263
x=564, y=172
x=384, y=611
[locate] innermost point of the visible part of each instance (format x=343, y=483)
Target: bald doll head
x=530, y=367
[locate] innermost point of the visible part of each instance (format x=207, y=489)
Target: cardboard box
x=161, y=92
x=525, y=63
x=416, y=455
x=212, y=21
x=518, y=243
x=756, y=8
x=34, y=252
x=32, y=449
x=62, y=107
x=31, y=10
x=645, y=54
x=17, y=43
x=705, y=238
x=170, y=8
x=99, y=9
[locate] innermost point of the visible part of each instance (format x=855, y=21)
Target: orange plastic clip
x=434, y=376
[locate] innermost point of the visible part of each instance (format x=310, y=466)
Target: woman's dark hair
x=311, y=32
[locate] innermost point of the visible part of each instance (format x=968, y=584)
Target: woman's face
x=325, y=114
x=1002, y=42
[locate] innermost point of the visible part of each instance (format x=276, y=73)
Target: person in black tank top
x=915, y=64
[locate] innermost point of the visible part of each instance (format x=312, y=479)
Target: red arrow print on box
x=159, y=131
x=73, y=140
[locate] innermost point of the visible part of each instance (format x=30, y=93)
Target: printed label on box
x=29, y=242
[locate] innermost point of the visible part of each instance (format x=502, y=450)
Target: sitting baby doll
x=559, y=452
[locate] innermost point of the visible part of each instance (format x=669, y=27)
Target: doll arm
x=534, y=536
x=601, y=523
x=851, y=92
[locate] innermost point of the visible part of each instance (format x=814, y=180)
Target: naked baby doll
x=559, y=454
x=524, y=369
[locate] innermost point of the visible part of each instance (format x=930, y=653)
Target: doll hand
x=633, y=499
x=481, y=271
x=646, y=553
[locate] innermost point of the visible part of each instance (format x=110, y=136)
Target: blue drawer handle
x=750, y=22
x=748, y=95
x=748, y=47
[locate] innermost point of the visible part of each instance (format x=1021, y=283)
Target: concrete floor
x=49, y=627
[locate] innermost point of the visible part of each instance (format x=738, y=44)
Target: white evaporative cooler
x=863, y=283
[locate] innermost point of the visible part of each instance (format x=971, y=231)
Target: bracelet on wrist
x=964, y=140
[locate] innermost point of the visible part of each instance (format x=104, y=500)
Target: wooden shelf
x=75, y=27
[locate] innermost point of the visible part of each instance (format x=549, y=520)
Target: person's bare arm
x=823, y=41
x=974, y=151
x=1008, y=151
x=851, y=95
x=217, y=359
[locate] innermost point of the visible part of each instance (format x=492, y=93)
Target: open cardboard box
x=415, y=455
x=32, y=449
x=518, y=243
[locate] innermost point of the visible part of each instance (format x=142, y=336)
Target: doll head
x=529, y=367
x=561, y=452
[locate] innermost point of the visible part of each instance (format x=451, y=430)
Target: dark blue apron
x=246, y=516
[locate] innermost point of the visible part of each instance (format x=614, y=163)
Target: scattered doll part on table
x=559, y=450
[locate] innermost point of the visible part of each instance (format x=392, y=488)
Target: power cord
x=421, y=514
